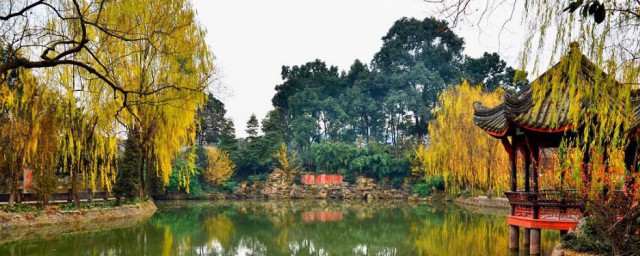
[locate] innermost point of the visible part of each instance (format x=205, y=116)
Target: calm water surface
x=291, y=228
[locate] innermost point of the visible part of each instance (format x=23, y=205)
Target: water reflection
x=292, y=228
x=322, y=216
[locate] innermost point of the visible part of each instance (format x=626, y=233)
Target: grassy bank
x=36, y=216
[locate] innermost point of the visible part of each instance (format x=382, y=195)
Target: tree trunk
x=74, y=189
x=14, y=189
x=153, y=187
x=15, y=175
x=143, y=162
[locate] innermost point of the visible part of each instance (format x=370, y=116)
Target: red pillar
x=527, y=169
x=514, y=231
x=534, y=233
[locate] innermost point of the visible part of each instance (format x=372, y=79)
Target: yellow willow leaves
x=153, y=50
x=167, y=74
x=466, y=156
x=600, y=109
x=563, y=169
x=185, y=171
x=599, y=106
x=26, y=126
x=287, y=161
x=219, y=168
x=419, y=162
x=88, y=145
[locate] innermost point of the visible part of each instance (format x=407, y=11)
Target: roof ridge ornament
x=574, y=45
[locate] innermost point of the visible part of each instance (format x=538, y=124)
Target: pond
x=292, y=228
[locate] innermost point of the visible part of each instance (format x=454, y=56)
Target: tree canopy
x=389, y=101
x=104, y=69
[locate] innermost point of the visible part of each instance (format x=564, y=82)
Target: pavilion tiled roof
x=519, y=109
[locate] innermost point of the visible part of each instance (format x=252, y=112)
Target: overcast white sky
x=252, y=39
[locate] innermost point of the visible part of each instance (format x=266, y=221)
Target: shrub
x=435, y=182
x=229, y=186
x=422, y=189
x=586, y=239
x=219, y=166
x=287, y=161
x=21, y=208
x=254, y=178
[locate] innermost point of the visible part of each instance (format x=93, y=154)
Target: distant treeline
x=365, y=119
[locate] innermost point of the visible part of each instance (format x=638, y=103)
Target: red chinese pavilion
x=525, y=126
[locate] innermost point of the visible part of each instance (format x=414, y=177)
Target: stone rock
x=277, y=186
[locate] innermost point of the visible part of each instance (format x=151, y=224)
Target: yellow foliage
x=29, y=131
x=219, y=168
x=466, y=156
x=165, y=74
x=160, y=69
x=287, y=161
x=185, y=171
x=599, y=105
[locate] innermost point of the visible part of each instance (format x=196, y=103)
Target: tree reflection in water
x=280, y=228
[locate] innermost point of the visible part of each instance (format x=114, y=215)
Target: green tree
x=127, y=180
x=273, y=125
x=490, y=71
x=255, y=156
x=228, y=141
x=212, y=121
x=361, y=102
x=334, y=157
x=252, y=127
x=421, y=58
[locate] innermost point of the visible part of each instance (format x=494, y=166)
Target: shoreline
x=484, y=202
x=558, y=251
x=28, y=226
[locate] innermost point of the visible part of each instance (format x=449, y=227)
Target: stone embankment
x=484, y=201
x=278, y=187
x=24, y=226
x=558, y=251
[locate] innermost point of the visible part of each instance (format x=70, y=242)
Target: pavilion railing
x=546, y=198
x=547, y=204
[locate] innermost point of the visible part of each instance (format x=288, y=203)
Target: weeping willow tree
x=88, y=148
x=166, y=75
x=109, y=67
x=465, y=156
x=25, y=120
